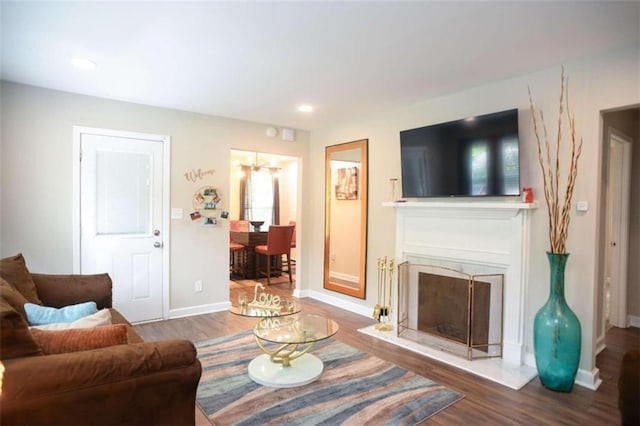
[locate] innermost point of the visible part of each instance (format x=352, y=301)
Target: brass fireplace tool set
x=382, y=310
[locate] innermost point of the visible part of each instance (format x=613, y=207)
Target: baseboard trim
x=633, y=320
x=300, y=293
x=588, y=379
x=198, y=310
x=340, y=303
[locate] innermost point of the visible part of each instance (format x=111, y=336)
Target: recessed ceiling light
x=305, y=108
x=83, y=64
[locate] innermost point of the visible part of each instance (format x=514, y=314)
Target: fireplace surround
x=472, y=237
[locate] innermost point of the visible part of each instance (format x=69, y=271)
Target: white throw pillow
x=102, y=317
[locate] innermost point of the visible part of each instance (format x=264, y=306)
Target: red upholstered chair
x=278, y=244
x=293, y=236
x=237, y=251
x=239, y=225
x=292, y=261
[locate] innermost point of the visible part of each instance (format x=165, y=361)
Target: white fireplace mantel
x=474, y=237
x=514, y=206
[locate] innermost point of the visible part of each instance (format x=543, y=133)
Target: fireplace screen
x=451, y=310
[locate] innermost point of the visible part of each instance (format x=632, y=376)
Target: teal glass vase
x=557, y=335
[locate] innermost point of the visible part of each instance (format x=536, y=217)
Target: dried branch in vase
x=559, y=216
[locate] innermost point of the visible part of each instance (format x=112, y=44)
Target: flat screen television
x=471, y=157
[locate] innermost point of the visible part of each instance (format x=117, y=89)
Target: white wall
x=595, y=84
x=36, y=176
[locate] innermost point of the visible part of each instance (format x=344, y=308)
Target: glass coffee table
x=289, y=364
x=286, y=307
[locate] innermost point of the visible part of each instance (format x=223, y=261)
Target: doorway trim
x=618, y=312
x=78, y=131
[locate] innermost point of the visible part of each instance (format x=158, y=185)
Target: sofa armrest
x=144, y=383
x=629, y=388
x=63, y=290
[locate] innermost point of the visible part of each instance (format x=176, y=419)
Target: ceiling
x=258, y=61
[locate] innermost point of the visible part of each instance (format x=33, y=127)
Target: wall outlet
x=198, y=285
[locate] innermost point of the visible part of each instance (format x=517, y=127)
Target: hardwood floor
x=485, y=402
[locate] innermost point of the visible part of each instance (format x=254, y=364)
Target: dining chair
x=237, y=251
x=293, y=236
x=292, y=261
x=278, y=244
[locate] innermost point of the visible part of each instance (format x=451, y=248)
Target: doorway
x=258, y=165
x=620, y=225
x=617, y=229
x=120, y=216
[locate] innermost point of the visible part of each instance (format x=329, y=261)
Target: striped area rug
x=355, y=389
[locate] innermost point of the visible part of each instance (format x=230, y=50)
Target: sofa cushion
x=59, y=290
x=118, y=318
x=13, y=297
x=79, y=339
x=40, y=315
x=14, y=270
x=102, y=317
x=15, y=338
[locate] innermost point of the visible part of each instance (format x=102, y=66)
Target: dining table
x=251, y=239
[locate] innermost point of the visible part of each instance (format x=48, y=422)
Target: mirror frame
x=360, y=290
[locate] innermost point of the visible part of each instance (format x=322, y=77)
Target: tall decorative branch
x=551, y=176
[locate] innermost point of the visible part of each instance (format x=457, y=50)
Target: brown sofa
x=629, y=389
x=138, y=383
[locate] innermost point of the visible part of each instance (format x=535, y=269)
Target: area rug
x=355, y=389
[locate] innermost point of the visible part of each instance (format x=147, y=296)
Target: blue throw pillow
x=41, y=315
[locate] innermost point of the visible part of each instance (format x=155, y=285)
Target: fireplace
x=473, y=238
x=451, y=310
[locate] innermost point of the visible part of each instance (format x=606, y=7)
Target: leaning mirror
x=345, y=231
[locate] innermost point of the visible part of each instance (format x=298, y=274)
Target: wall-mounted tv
x=472, y=157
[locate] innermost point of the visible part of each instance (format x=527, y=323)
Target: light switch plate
x=582, y=206
x=176, y=213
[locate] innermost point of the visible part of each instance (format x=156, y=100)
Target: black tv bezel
x=514, y=111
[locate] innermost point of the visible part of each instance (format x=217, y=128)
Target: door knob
x=157, y=244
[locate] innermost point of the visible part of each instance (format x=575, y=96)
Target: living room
x=38, y=160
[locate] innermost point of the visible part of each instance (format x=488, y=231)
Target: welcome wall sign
x=196, y=175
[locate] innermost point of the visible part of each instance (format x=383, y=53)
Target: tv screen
x=472, y=157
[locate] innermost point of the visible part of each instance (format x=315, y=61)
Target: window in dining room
x=261, y=193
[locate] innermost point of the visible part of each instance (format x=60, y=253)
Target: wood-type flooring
x=485, y=402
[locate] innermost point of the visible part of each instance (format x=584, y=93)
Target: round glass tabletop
x=302, y=328
x=285, y=307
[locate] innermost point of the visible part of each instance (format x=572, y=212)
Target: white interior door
x=617, y=230
x=121, y=218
